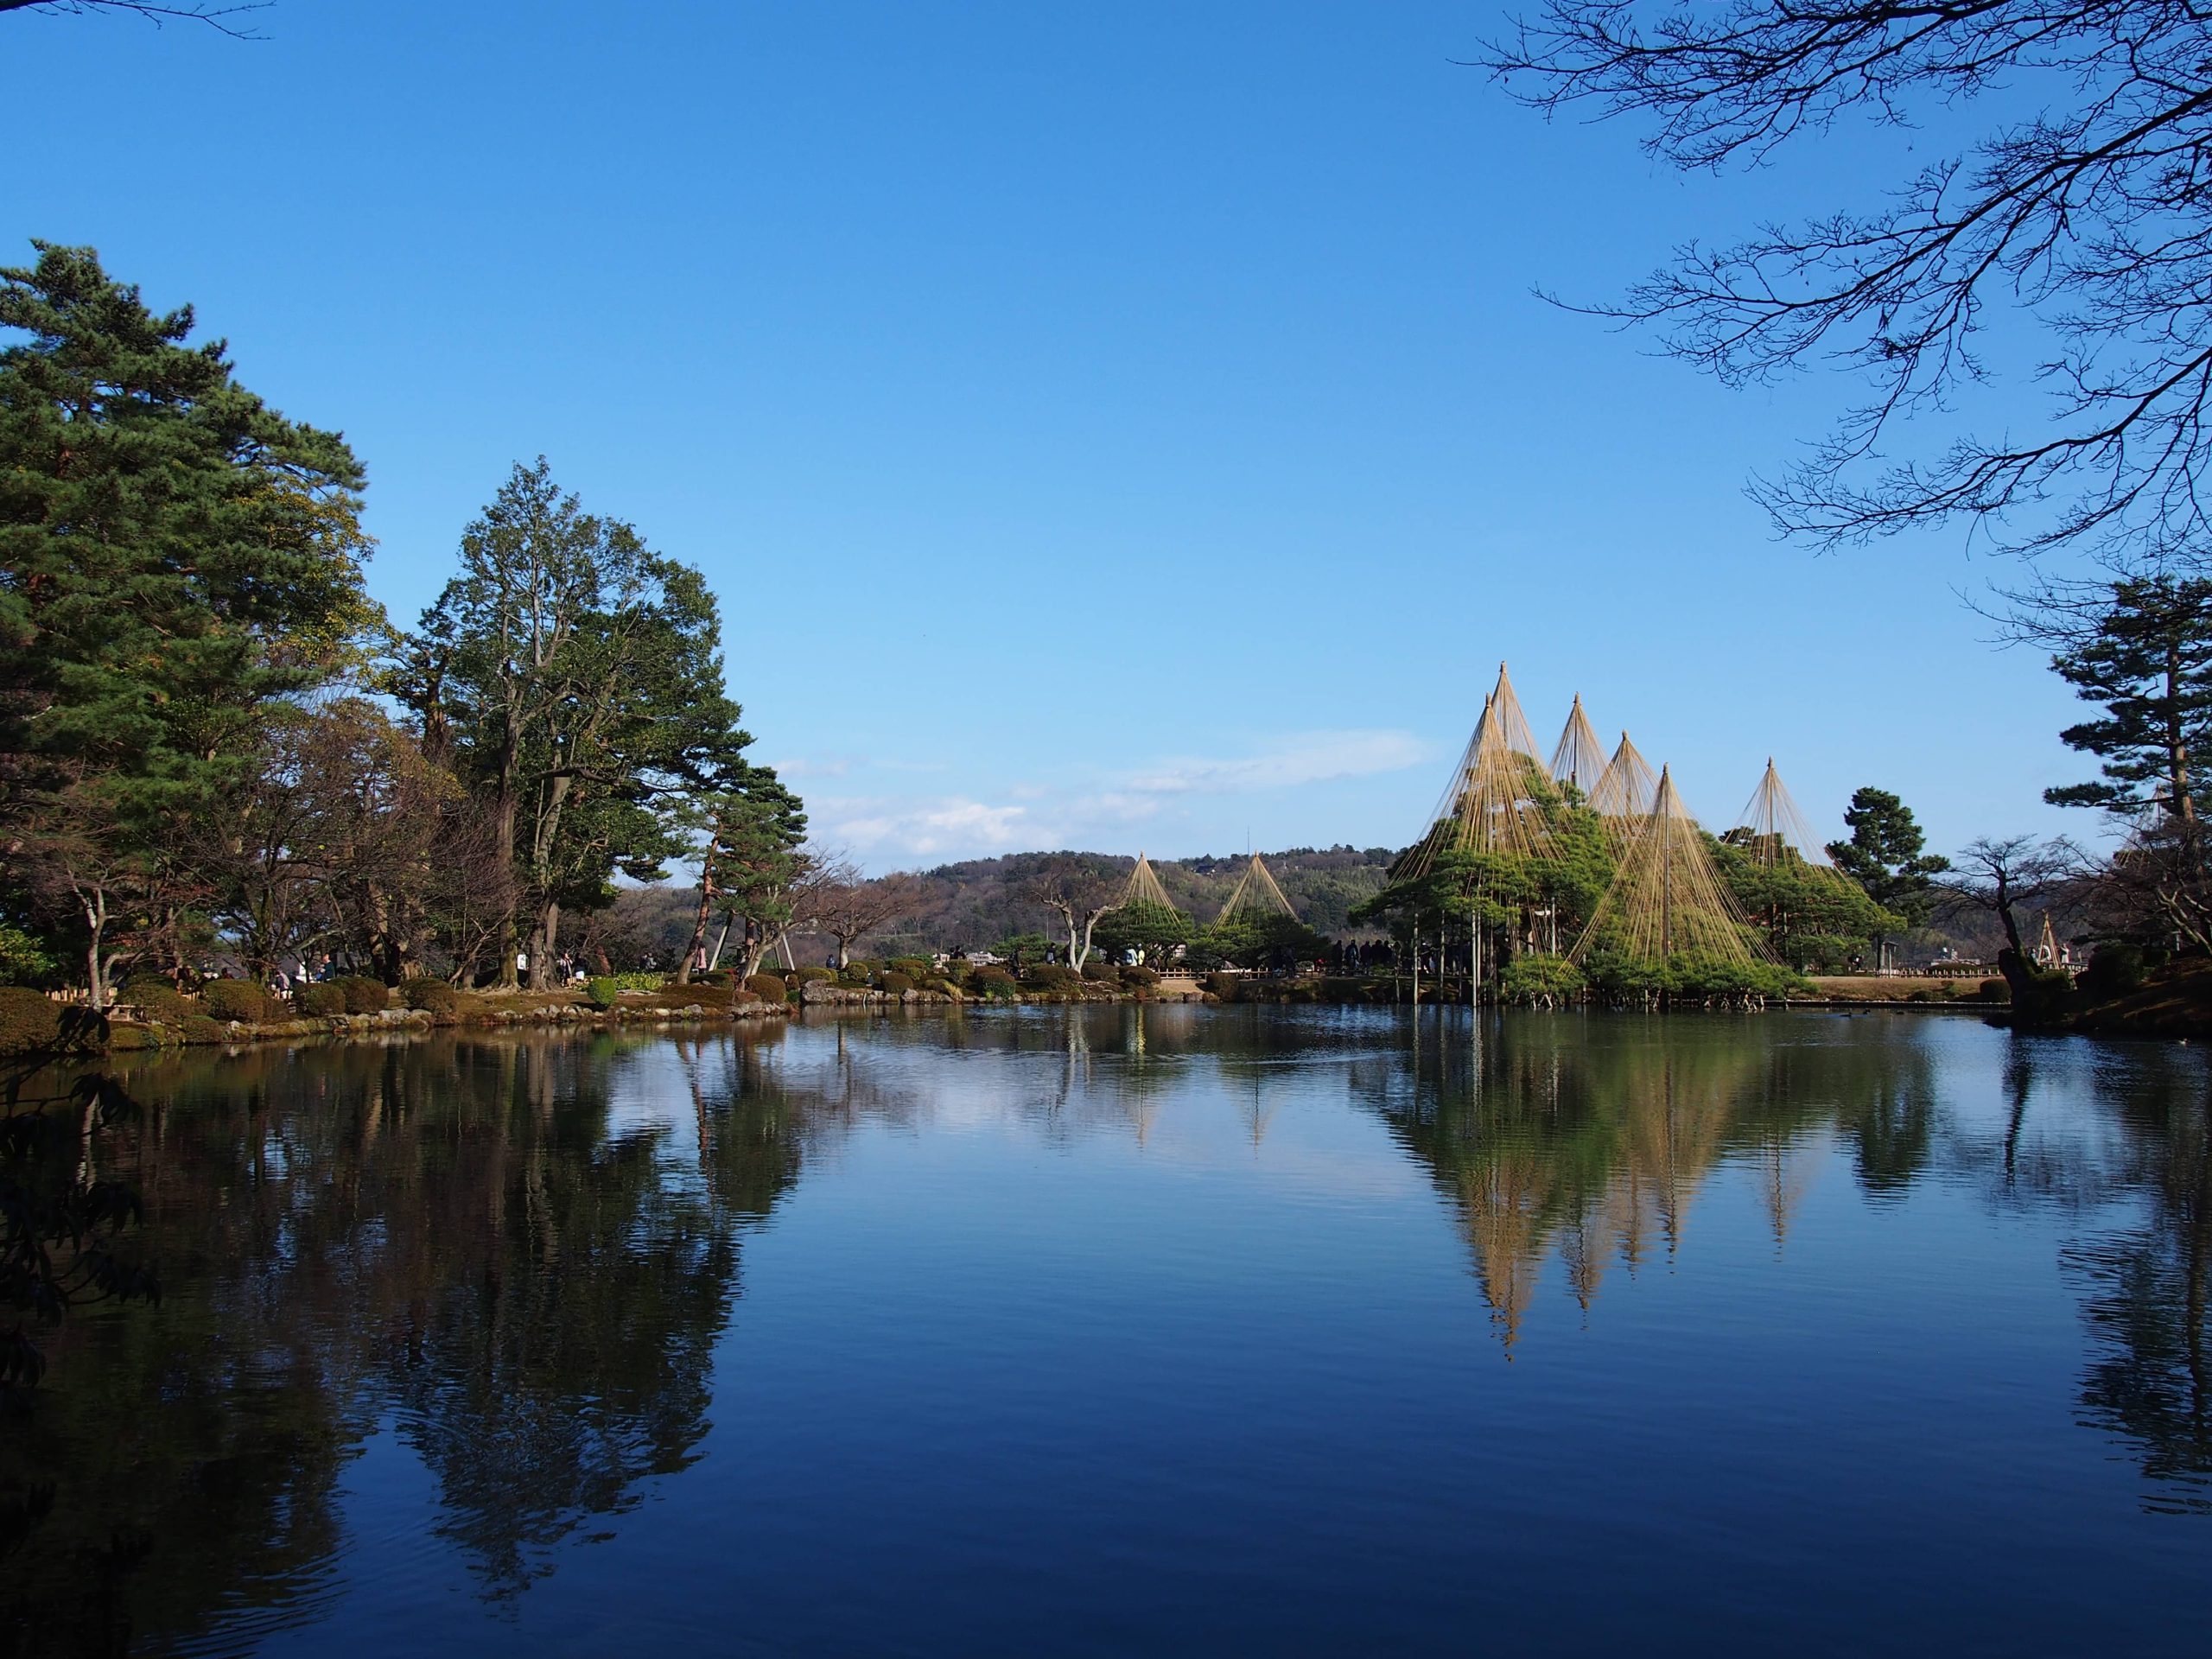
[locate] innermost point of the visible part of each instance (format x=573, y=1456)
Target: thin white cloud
x=1027, y=816
x=1303, y=758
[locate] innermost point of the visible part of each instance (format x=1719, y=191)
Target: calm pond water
x=1161, y=1330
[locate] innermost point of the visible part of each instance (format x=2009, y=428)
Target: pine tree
x=175, y=556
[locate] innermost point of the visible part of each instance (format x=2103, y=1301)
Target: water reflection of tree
x=2144, y=1299
x=1587, y=1142
x=455, y=1234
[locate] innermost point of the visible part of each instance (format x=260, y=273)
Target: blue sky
x=1115, y=427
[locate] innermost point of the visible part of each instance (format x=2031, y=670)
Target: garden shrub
x=1992, y=990
x=236, y=999
x=896, y=984
x=993, y=982
x=30, y=1022
x=362, y=994
x=916, y=968
x=158, y=997
x=767, y=988
x=604, y=991
x=2116, y=970
x=199, y=1028
x=1141, y=977
x=315, y=1000
x=1539, y=978
x=1097, y=968
x=857, y=975
x=430, y=996
x=800, y=977
x=1053, y=977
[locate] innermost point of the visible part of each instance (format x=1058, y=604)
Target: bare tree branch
x=2093, y=219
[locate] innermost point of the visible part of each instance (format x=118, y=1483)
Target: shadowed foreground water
x=1165, y=1329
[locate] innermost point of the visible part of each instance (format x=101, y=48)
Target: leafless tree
x=2090, y=218
x=2003, y=876
x=228, y=20
x=1080, y=891
x=848, y=906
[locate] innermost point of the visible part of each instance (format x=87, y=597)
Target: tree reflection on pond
x=519, y=1256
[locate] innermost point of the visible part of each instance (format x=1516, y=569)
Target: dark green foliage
x=1992, y=990
x=1052, y=977
x=1021, y=950
x=236, y=999
x=857, y=975
x=1886, y=855
x=896, y=984
x=605, y=992
x=25, y=957
x=2148, y=661
x=58, y=1230
x=799, y=978
x=1140, y=977
x=362, y=995
x=156, y=997
x=2114, y=971
x=992, y=981
x=575, y=677
x=1151, y=928
x=30, y=1022
x=1097, y=968
x=1814, y=918
x=1538, y=980
x=199, y=1028
x=768, y=987
x=176, y=553
x=318, y=1001
x=430, y=996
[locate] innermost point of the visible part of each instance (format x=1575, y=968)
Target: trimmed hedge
x=993, y=982
x=236, y=999
x=1053, y=977
x=317, y=1001
x=896, y=984
x=158, y=997
x=30, y=1022
x=1140, y=976
x=363, y=995
x=767, y=988
x=430, y=996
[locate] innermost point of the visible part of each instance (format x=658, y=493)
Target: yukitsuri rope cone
x=1144, y=886
x=1580, y=758
x=1495, y=802
x=1623, y=793
x=1256, y=894
x=1667, y=899
x=1778, y=832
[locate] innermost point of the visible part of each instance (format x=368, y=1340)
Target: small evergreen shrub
x=915, y=968
x=896, y=984
x=362, y=994
x=430, y=996
x=199, y=1028
x=1098, y=969
x=605, y=991
x=993, y=982
x=1053, y=977
x=1992, y=990
x=1140, y=977
x=313, y=1001
x=798, y=978
x=236, y=999
x=767, y=988
x=158, y=997
x=2116, y=970
x=30, y=1022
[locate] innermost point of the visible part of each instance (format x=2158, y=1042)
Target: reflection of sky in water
x=1224, y=1328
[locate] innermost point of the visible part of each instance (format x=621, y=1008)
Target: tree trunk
x=542, y=943
x=699, y=922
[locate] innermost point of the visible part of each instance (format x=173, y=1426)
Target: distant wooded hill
x=974, y=904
